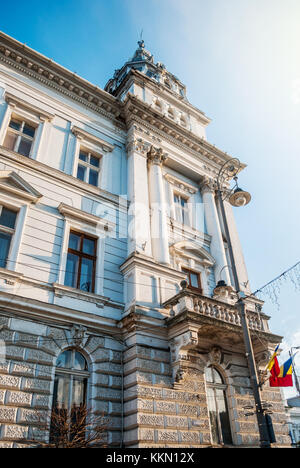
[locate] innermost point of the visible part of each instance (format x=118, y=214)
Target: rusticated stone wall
x=159, y=410
x=27, y=377
x=161, y=413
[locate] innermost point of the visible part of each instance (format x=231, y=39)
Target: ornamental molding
x=156, y=156
x=15, y=101
x=181, y=185
x=39, y=67
x=185, y=247
x=182, y=343
x=12, y=183
x=208, y=185
x=78, y=336
x=74, y=213
x=138, y=145
x=171, y=97
x=84, y=135
x=137, y=114
x=61, y=291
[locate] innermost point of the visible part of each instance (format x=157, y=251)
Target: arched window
x=217, y=407
x=69, y=394
x=71, y=376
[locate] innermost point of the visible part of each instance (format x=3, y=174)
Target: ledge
x=74, y=213
x=61, y=290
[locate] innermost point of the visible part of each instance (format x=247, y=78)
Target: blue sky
x=240, y=61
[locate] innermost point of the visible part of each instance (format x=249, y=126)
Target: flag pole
x=294, y=370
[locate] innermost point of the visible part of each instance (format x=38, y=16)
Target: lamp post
x=238, y=197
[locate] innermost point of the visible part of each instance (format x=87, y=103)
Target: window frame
x=20, y=135
x=71, y=374
x=188, y=272
x=88, y=166
x=214, y=386
x=35, y=116
x=80, y=254
x=184, y=210
x=10, y=231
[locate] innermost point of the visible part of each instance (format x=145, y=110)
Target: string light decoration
x=273, y=288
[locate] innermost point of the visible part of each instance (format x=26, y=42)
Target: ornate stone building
x=107, y=203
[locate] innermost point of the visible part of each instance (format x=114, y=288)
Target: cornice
x=139, y=260
x=136, y=111
x=53, y=75
x=135, y=76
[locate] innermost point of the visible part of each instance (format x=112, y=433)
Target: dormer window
x=19, y=136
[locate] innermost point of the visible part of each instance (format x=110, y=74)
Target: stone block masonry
x=158, y=410
x=27, y=379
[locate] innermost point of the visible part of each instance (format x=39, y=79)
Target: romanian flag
x=285, y=376
x=273, y=365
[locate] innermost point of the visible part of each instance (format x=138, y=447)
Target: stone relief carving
x=215, y=356
x=78, y=335
x=156, y=156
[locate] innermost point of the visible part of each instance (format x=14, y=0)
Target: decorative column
x=217, y=249
x=159, y=227
x=139, y=237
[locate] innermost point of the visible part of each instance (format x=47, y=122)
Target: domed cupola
x=143, y=62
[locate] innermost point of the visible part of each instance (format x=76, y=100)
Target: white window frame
x=19, y=109
x=20, y=135
x=96, y=146
x=88, y=166
x=184, y=210
x=185, y=190
x=17, y=199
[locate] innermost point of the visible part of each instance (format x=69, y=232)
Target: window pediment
x=20, y=104
x=84, y=135
x=14, y=184
x=75, y=214
x=192, y=249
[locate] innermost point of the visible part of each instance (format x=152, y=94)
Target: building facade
x=293, y=412
x=107, y=204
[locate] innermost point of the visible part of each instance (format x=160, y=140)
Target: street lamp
x=238, y=197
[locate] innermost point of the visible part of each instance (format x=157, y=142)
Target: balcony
x=214, y=311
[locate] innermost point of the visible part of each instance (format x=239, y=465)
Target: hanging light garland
x=273, y=288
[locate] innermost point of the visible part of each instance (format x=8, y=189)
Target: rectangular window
x=81, y=262
x=88, y=168
x=181, y=209
x=19, y=137
x=194, y=280
x=7, y=229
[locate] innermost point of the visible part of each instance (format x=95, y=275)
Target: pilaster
x=214, y=230
x=159, y=228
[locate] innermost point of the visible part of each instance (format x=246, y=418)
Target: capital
x=207, y=185
x=156, y=156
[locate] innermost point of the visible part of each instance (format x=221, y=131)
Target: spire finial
x=141, y=42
